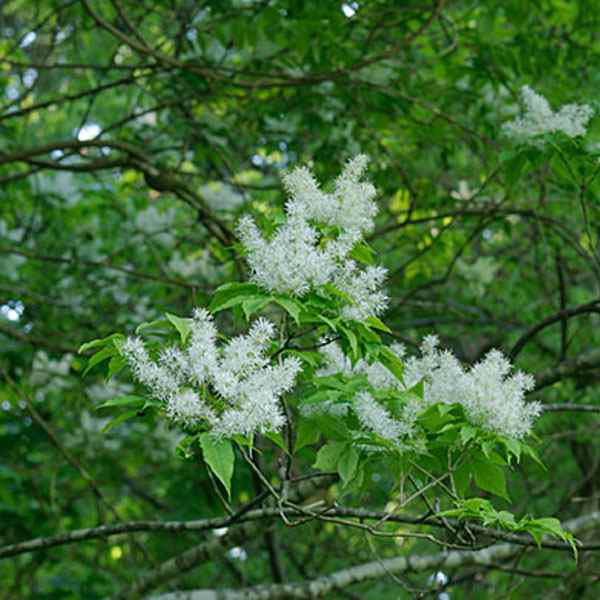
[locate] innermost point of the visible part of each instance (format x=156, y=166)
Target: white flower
x=291, y=262
x=370, y=413
x=492, y=396
x=299, y=258
x=539, y=118
x=363, y=288
x=154, y=376
x=334, y=360
x=187, y=408
x=233, y=389
x=350, y=206
x=375, y=417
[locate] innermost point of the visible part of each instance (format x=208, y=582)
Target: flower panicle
x=296, y=260
x=233, y=389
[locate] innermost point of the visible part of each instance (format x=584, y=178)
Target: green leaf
x=391, y=362
x=292, y=307
x=529, y=451
x=462, y=478
x=328, y=456
x=322, y=396
x=339, y=293
x=331, y=381
x=478, y=505
x=99, y=342
x=253, y=304
x=220, y=457
x=120, y=419
x=514, y=167
x=513, y=447
x=396, y=401
x=182, y=325
x=376, y=323
x=551, y=526
x=115, y=364
x=467, y=433
x=352, y=339
x=357, y=481
x=232, y=294
x=310, y=358
x=99, y=357
x=156, y=324
x=128, y=400
x=184, y=448
x=367, y=334
x=434, y=418
x=488, y=447
x=347, y=464
x=307, y=433
x=363, y=253
x=330, y=323
x=490, y=477
x=278, y=440
x=419, y=389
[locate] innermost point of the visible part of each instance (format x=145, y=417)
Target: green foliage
x=482, y=510
x=220, y=457
x=201, y=107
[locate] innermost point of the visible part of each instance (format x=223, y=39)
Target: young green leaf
x=328, y=456
x=182, y=325
x=253, y=304
x=347, y=464
x=99, y=357
x=150, y=325
x=120, y=419
x=128, y=400
x=232, y=294
x=99, y=342
x=490, y=477
x=307, y=433
x=292, y=307
x=220, y=457
x=376, y=323
x=391, y=362
x=363, y=253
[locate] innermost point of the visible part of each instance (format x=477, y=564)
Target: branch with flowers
x=311, y=373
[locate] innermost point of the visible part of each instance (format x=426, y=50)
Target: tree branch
x=589, y=360
x=561, y=315
x=321, y=586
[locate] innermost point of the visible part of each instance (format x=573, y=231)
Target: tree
x=139, y=140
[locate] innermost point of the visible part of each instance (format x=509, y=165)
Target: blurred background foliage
x=134, y=134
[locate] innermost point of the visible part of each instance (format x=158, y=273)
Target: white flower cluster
x=198, y=264
x=49, y=375
x=157, y=224
x=298, y=258
x=372, y=415
x=221, y=197
x=540, y=119
x=491, y=396
x=234, y=389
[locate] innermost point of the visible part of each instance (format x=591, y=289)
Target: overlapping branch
x=319, y=587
